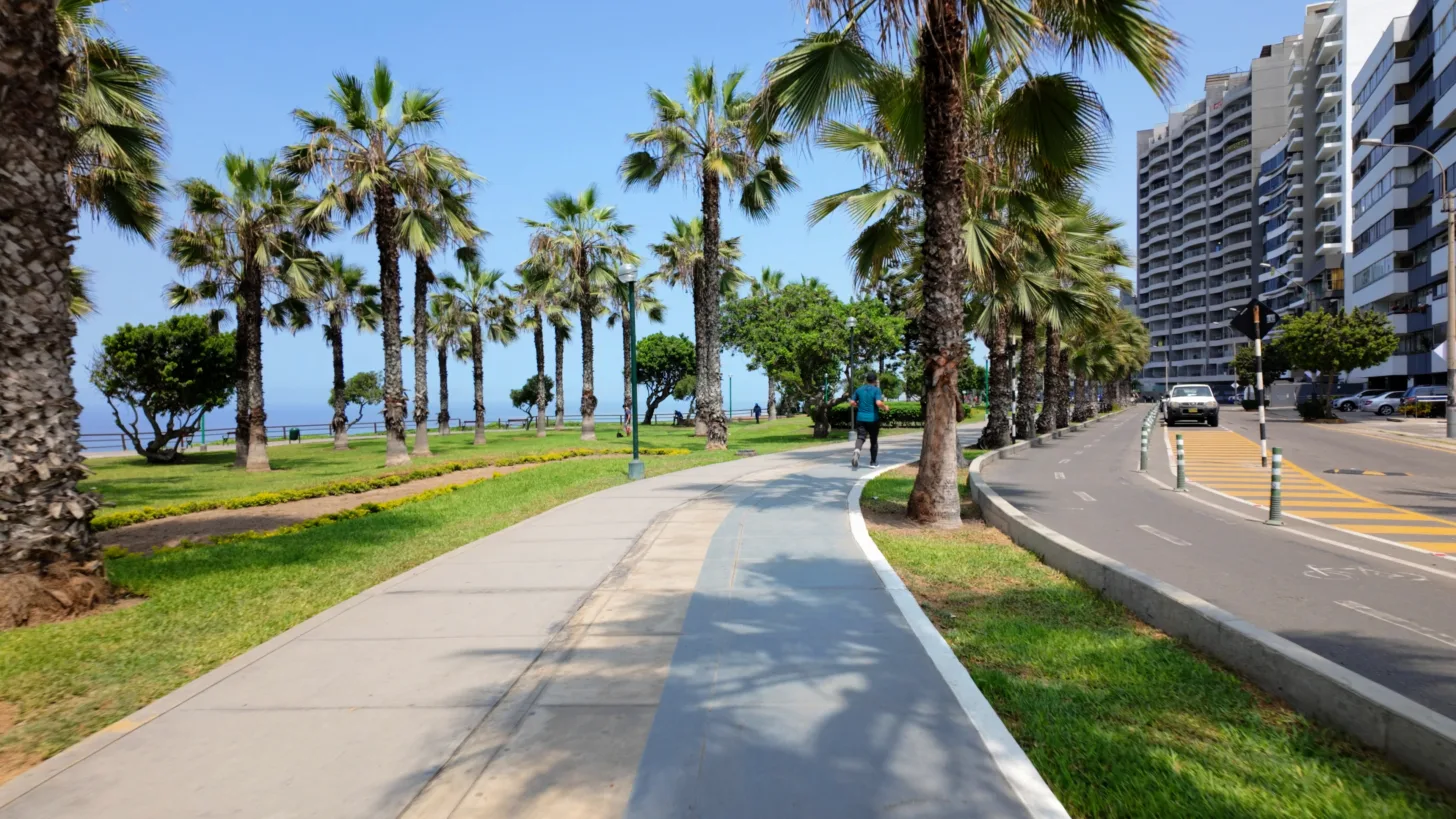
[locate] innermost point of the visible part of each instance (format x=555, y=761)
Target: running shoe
x=854, y=460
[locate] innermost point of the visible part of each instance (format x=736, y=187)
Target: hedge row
x=117, y=552
x=895, y=414
x=351, y=486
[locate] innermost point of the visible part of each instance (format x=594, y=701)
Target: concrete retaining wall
x=1398, y=727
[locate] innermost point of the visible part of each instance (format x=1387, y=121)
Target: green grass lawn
x=131, y=483
x=1121, y=720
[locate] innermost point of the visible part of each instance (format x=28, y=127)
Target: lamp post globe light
x=852, y=410
x=636, y=470
x=1448, y=205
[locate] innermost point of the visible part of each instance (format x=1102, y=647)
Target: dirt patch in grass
x=63, y=590
x=198, y=527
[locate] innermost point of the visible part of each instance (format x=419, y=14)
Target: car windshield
x=1192, y=392
x=1395, y=394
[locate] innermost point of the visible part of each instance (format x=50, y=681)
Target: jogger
x=867, y=402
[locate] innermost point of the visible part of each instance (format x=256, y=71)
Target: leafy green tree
x=686, y=389
x=110, y=103
x=540, y=300
x=362, y=390
x=477, y=303
x=245, y=240
x=802, y=337
x=1335, y=343
x=663, y=362
x=536, y=392
x=367, y=154
x=586, y=240
x=1276, y=361
x=168, y=374
x=706, y=144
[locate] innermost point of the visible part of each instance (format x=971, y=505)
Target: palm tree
x=538, y=296
x=769, y=283
x=448, y=334
x=680, y=254
x=109, y=104
x=707, y=145
x=245, y=237
x=340, y=295
x=586, y=239
x=619, y=315
x=436, y=213
x=47, y=520
x=961, y=156
x=367, y=155
x=486, y=314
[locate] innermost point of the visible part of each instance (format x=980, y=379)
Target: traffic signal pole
x=1259, y=389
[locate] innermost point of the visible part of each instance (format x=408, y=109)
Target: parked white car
x=1350, y=403
x=1383, y=404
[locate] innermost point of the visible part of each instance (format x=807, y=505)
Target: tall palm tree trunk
x=1064, y=389
x=477, y=372
x=710, y=383
x=395, y=402
x=586, y=311
x=1026, y=386
x=540, y=339
x=700, y=424
x=240, y=390
x=340, y=423
x=1047, y=420
x=997, y=432
x=560, y=379
x=1082, y=410
x=252, y=293
x=442, y=359
x=935, y=498
x=772, y=410
x=423, y=277
x=46, y=520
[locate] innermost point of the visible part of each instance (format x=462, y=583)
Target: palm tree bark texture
x=935, y=498
x=477, y=367
x=240, y=395
x=560, y=378
x=45, y=534
x=442, y=358
x=1026, y=385
x=335, y=334
x=423, y=277
x=710, y=380
x=395, y=403
x=586, y=311
x=539, y=337
x=1047, y=420
x=252, y=294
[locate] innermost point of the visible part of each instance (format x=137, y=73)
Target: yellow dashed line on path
x=1225, y=461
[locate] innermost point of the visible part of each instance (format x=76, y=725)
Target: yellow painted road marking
x=1226, y=461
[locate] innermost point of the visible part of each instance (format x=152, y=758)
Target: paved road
x=1428, y=487
x=1382, y=611
x=709, y=643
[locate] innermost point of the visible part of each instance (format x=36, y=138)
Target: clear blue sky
x=540, y=97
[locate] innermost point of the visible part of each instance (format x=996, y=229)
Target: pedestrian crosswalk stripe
x=1227, y=462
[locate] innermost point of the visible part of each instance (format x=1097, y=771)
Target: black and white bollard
x=1143, y=454
x=1276, y=476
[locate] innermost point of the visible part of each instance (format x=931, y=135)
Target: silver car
x=1383, y=404
x=1191, y=402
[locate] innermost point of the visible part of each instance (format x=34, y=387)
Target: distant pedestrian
x=757, y=411
x=868, y=402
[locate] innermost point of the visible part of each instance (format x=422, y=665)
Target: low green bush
x=1314, y=409
x=1251, y=405
x=895, y=414
x=351, y=487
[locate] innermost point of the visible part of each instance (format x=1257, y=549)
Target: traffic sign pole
x=1259, y=387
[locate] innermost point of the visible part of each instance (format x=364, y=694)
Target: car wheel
x=1213, y=421
x=1347, y=407
x=1385, y=410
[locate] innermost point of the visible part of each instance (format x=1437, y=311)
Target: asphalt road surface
x=1384, y=611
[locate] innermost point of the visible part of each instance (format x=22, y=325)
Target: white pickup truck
x=1190, y=402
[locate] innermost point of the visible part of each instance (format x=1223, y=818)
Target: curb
x=1398, y=727
x=1005, y=752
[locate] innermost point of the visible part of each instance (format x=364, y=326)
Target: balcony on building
x=1296, y=141
x=1296, y=115
x=1330, y=193
x=1296, y=94
x=1296, y=162
x=1328, y=74
x=1329, y=242
x=1329, y=170
x=1330, y=146
x=1330, y=45
x=1330, y=96
x=1330, y=122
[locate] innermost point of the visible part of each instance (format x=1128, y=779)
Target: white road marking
x=1176, y=541
x=1399, y=622
x=1065, y=461
x=1349, y=572
x=1084, y=496
x=1061, y=476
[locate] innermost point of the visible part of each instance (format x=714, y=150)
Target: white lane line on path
x=1084, y=496
x=1061, y=476
x=1176, y=541
x=1065, y=461
x=1009, y=757
x=1309, y=535
x=1399, y=622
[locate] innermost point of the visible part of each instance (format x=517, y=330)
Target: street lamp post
x=1448, y=204
x=636, y=470
x=852, y=410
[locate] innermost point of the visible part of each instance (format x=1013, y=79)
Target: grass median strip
x=1119, y=719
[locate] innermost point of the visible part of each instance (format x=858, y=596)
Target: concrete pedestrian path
x=709, y=643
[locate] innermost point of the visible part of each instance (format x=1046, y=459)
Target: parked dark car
x=1429, y=394
x=1226, y=395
